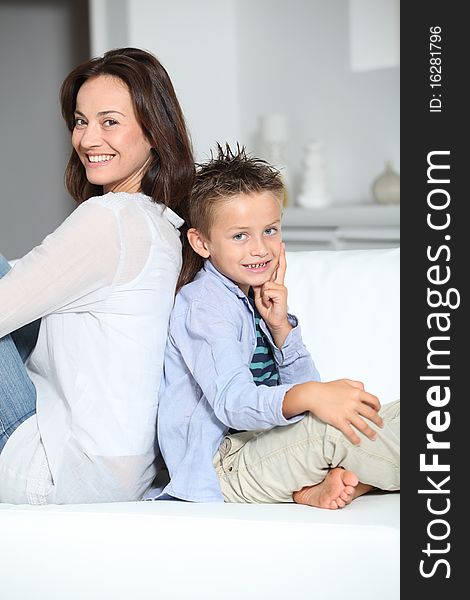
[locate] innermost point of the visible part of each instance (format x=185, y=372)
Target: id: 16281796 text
x=435, y=68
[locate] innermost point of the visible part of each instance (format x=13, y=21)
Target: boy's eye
x=239, y=237
x=270, y=231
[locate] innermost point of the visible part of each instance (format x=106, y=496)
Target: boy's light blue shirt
x=207, y=386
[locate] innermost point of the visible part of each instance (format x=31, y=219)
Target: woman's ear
x=198, y=243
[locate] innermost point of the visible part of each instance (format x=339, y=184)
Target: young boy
x=243, y=416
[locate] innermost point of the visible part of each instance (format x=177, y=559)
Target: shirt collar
x=174, y=219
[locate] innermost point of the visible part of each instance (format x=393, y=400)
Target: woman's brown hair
x=170, y=174
x=228, y=174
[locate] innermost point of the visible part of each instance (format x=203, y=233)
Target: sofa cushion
x=348, y=305
x=184, y=551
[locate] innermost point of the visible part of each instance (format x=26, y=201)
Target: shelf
x=344, y=215
x=341, y=227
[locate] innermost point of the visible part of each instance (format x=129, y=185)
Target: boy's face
x=245, y=238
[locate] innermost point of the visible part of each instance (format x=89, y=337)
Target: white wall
x=108, y=25
x=233, y=60
x=197, y=44
x=374, y=24
x=294, y=58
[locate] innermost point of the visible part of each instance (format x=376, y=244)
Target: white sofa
x=348, y=304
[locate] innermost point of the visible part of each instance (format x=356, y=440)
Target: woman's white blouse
x=103, y=284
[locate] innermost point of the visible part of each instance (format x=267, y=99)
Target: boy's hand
x=271, y=301
x=343, y=403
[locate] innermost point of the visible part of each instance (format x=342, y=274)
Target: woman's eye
x=239, y=237
x=79, y=122
x=110, y=122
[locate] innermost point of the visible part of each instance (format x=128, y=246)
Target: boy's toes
x=350, y=479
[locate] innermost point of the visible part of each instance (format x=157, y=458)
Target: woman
x=77, y=420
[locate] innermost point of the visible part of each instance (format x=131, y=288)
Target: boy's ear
x=198, y=243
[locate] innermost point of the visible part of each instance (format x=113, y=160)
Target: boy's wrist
x=300, y=399
x=280, y=333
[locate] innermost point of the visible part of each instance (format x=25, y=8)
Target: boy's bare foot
x=339, y=488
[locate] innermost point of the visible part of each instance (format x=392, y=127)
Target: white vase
x=313, y=193
x=386, y=187
x=273, y=138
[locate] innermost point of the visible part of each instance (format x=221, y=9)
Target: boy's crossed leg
x=297, y=463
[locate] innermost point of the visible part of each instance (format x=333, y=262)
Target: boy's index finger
x=256, y=292
x=282, y=266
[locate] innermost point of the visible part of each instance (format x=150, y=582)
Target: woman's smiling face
x=107, y=136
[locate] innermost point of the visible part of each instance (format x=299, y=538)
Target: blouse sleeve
x=80, y=257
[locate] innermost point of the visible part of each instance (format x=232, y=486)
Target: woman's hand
x=271, y=301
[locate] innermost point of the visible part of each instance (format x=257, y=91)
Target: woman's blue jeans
x=17, y=392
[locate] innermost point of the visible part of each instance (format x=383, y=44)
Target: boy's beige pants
x=268, y=466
